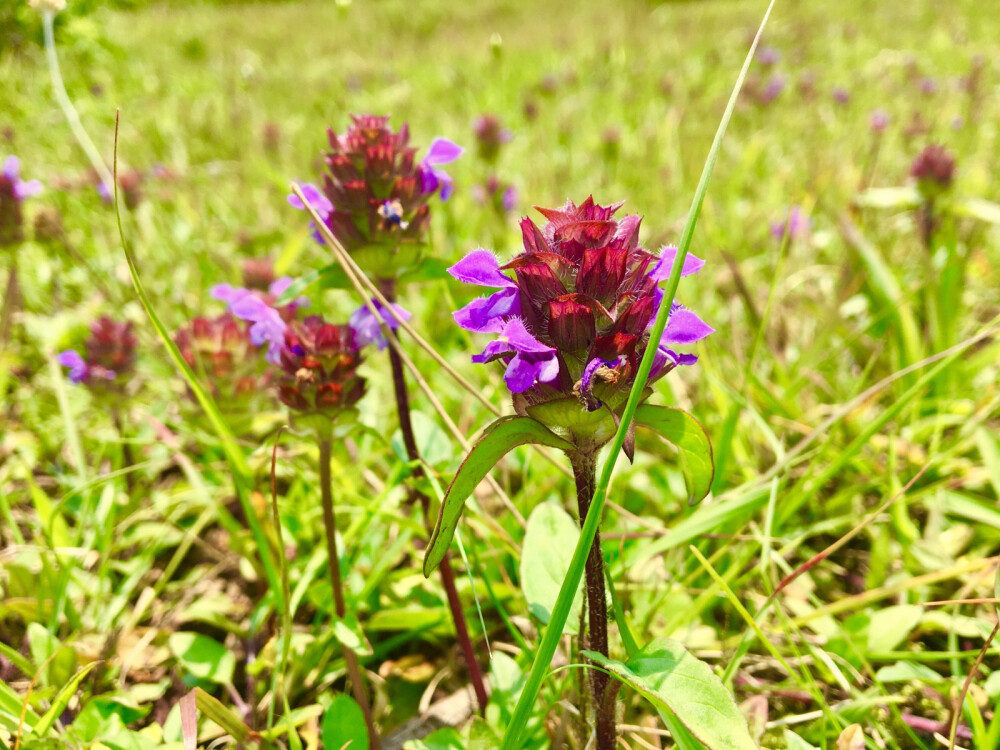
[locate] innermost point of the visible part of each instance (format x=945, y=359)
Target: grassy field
x=850, y=357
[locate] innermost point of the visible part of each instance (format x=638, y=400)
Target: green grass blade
x=242, y=479
x=550, y=641
x=62, y=700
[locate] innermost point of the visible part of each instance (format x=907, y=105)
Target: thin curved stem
x=333, y=562
x=66, y=104
x=447, y=574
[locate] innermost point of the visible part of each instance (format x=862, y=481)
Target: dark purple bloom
x=490, y=136
x=576, y=316
x=928, y=85
x=768, y=55
x=841, y=95
x=368, y=330
x=775, y=85
x=441, y=151
x=320, y=362
x=933, y=169
x=110, y=352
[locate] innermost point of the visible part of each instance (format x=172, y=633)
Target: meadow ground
x=130, y=570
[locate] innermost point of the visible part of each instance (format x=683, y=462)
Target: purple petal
x=661, y=271
x=515, y=333
x=315, y=197
x=481, y=267
x=665, y=357
x=267, y=324
x=509, y=199
x=367, y=329
x=105, y=191
x=11, y=168
x=524, y=370
x=228, y=294
x=447, y=184
x=493, y=350
x=685, y=327
x=486, y=314
x=442, y=151
x=78, y=368
x=428, y=179
x=278, y=286
x=27, y=189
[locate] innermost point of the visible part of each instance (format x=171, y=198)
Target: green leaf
x=889, y=627
x=344, y=725
x=214, y=710
x=498, y=440
x=547, y=550
x=447, y=738
x=794, y=742
x=977, y=208
x=203, y=657
x=330, y=276
x=667, y=675
x=62, y=700
x=686, y=434
x=348, y=632
x=989, y=449
x=889, y=197
x=906, y=671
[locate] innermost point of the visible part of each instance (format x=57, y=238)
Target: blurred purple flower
x=775, y=85
x=22, y=189
x=796, y=224
x=509, y=199
x=368, y=330
x=441, y=151
x=267, y=324
x=315, y=197
x=768, y=55
x=878, y=120
x=927, y=85
x=841, y=95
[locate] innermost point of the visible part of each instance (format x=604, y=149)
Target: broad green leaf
x=62, y=700
x=686, y=434
x=667, y=675
x=344, y=725
x=56, y=661
x=498, y=440
x=889, y=627
x=548, y=547
x=203, y=657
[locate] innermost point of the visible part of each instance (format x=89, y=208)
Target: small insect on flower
x=391, y=212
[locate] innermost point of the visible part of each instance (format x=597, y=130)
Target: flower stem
x=447, y=574
x=9, y=303
x=585, y=474
x=333, y=560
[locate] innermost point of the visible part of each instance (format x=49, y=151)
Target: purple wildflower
x=796, y=223
x=22, y=189
x=578, y=314
x=768, y=55
x=878, y=120
x=267, y=324
x=441, y=151
x=368, y=330
x=78, y=369
x=841, y=95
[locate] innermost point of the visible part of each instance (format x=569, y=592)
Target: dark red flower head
x=375, y=193
x=574, y=321
x=319, y=361
x=933, y=169
x=221, y=349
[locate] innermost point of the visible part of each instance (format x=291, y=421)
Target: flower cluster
x=110, y=353
x=319, y=361
x=934, y=170
x=490, y=137
x=13, y=190
x=257, y=307
x=376, y=192
x=574, y=320
x=221, y=348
